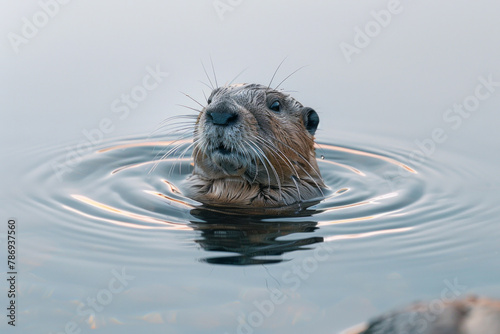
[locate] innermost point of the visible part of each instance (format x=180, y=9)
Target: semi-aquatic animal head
x=251, y=137
x=255, y=132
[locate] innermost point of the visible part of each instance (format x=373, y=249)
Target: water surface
x=111, y=246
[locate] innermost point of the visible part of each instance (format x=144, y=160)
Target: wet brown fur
x=272, y=161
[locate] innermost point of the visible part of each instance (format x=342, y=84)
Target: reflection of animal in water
x=254, y=146
x=467, y=316
x=253, y=240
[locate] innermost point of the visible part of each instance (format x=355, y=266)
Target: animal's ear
x=311, y=120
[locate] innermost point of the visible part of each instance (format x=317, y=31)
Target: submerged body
x=254, y=146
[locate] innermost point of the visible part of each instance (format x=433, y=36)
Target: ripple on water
x=121, y=193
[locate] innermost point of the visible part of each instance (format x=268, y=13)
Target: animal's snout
x=222, y=114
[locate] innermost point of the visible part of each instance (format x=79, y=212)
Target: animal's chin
x=223, y=150
x=231, y=162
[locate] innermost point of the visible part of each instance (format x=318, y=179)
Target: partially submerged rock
x=472, y=315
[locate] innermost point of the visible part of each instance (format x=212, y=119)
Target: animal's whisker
x=244, y=148
x=173, y=129
x=181, y=156
x=289, y=76
x=287, y=161
x=236, y=77
x=211, y=88
x=263, y=155
x=273, y=154
x=283, y=157
x=274, y=74
x=166, y=120
x=208, y=77
x=257, y=154
x=310, y=177
x=213, y=70
x=168, y=153
x=188, y=107
x=165, y=155
x=294, y=179
x=302, y=157
x=184, y=127
x=193, y=99
x=185, y=120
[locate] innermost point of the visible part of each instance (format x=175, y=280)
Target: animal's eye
x=209, y=100
x=275, y=106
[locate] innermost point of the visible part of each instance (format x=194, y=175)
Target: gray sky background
x=428, y=58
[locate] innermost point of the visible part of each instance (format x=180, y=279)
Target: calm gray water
x=408, y=145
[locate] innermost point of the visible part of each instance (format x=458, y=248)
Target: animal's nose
x=222, y=115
